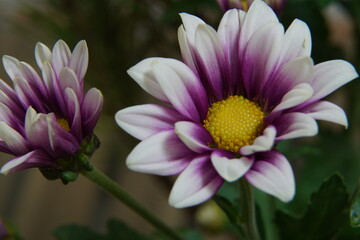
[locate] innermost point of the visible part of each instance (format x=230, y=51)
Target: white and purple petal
x=42, y=54
x=326, y=111
x=143, y=74
x=73, y=116
x=194, y=136
x=262, y=143
x=11, y=66
x=91, y=107
x=79, y=60
x=14, y=141
x=181, y=87
x=162, y=154
x=60, y=57
x=228, y=166
x=190, y=23
x=68, y=79
x=36, y=158
x=210, y=60
x=297, y=41
x=44, y=132
x=296, y=96
x=196, y=184
x=142, y=121
x=293, y=73
x=259, y=58
x=331, y=75
x=27, y=96
x=272, y=173
x=294, y=125
x=229, y=35
x=253, y=22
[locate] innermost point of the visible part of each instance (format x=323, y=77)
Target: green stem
x=247, y=211
x=114, y=189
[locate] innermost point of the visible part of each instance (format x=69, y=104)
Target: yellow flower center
x=63, y=123
x=234, y=122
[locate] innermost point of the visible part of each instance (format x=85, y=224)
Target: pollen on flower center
x=234, y=122
x=63, y=123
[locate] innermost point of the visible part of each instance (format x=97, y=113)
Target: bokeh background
x=120, y=33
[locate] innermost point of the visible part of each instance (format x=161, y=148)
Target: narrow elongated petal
x=331, y=75
x=191, y=82
x=73, y=113
x=162, y=154
x=186, y=50
x=11, y=66
x=294, y=125
x=273, y=174
x=194, y=136
x=263, y=143
x=327, y=111
x=68, y=79
x=26, y=95
x=196, y=184
x=296, y=96
x=52, y=85
x=14, y=140
x=190, y=23
x=8, y=91
x=211, y=59
x=5, y=113
x=260, y=57
x=229, y=34
x=30, y=118
x=42, y=54
x=143, y=74
x=297, y=41
x=49, y=78
x=44, y=132
x=295, y=72
x=228, y=166
x=142, y=121
x=32, y=159
x=60, y=56
x=33, y=79
x=90, y=109
x=9, y=98
x=183, y=91
x=79, y=60
x=253, y=22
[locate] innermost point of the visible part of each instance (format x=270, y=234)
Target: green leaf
x=75, y=232
x=324, y=217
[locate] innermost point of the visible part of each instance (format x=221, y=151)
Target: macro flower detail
x=45, y=120
x=276, y=5
x=240, y=90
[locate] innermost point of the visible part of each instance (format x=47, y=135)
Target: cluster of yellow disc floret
x=234, y=122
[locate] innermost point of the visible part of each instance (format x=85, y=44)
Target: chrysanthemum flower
x=49, y=118
x=276, y=5
x=240, y=90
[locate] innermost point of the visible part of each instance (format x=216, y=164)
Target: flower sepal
x=68, y=168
